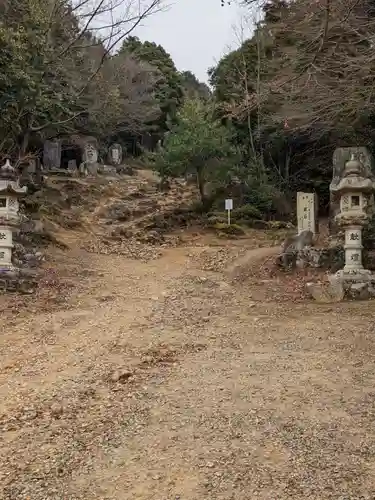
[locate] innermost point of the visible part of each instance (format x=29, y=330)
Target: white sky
x=196, y=33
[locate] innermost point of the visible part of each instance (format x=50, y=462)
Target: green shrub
x=246, y=212
x=216, y=219
x=229, y=229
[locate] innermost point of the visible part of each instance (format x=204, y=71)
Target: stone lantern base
x=358, y=284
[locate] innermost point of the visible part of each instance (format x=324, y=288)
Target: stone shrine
x=10, y=192
x=307, y=212
x=115, y=154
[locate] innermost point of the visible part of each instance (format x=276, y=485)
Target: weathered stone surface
x=359, y=291
x=331, y=259
x=327, y=292
x=323, y=258
x=90, y=158
x=115, y=154
x=72, y=167
x=52, y=154
x=307, y=212
x=340, y=157
x=107, y=170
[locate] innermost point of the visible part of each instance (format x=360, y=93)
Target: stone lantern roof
x=9, y=183
x=353, y=180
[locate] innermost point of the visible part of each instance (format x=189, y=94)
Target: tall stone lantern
x=353, y=191
x=10, y=192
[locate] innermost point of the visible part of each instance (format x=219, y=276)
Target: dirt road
x=173, y=380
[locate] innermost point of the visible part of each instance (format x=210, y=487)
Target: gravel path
x=165, y=381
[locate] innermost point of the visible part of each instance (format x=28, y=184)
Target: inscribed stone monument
x=307, y=216
x=52, y=154
x=115, y=154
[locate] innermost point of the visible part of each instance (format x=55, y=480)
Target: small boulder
x=121, y=376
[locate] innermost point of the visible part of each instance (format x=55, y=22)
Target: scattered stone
x=121, y=376
x=56, y=410
x=326, y=292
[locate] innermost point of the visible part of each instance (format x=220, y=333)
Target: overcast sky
x=196, y=33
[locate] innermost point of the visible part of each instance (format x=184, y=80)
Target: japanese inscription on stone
x=306, y=212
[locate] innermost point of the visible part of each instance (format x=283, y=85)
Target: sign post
x=228, y=208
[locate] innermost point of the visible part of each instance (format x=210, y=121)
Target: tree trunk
x=206, y=200
x=200, y=181
x=24, y=145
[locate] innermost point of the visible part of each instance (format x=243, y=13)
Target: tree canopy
x=299, y=86
x=61, y=72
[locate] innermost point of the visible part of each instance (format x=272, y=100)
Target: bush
x=218, y=218
x=246, y=212
x=228, y=229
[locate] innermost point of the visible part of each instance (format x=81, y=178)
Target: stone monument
x=307, y=212
x=52, y=154
x=10, y=192
x=90, y=158
x=115, y=155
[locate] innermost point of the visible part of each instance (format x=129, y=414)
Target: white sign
x=229, y=207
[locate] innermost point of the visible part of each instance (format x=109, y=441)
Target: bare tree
x=322, y=70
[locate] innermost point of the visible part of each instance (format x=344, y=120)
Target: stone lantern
x=10, y=192
x=353, y=191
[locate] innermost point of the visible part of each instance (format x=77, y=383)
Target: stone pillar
x=52, y=154
x=307, y=212
x=353, y=249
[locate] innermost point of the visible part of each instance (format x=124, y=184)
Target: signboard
x=229, y=207
x=229, y=204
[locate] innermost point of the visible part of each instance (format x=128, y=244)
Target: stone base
x=343, y=285
x=349, y=277
x=17, y=280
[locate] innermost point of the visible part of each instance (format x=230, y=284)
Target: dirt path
x=170, y=381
